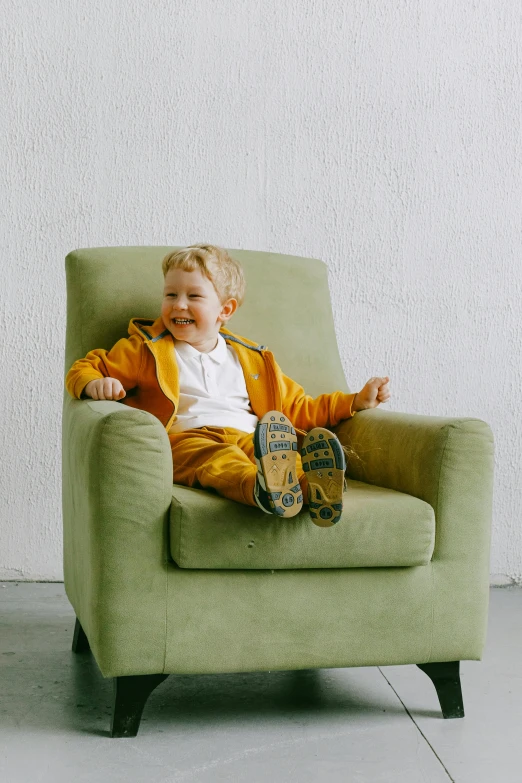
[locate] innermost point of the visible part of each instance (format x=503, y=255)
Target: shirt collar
x=218, y=354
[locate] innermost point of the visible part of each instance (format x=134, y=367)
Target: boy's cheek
x=166, y=322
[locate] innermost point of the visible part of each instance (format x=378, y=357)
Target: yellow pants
x=221, y=458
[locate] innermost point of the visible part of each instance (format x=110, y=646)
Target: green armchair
x=166, y=579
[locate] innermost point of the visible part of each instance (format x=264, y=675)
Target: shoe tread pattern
x=324, y=465
x=275, y=452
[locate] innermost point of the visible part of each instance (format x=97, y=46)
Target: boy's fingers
x=117, y=391
x=113, y=391
x=107, y=389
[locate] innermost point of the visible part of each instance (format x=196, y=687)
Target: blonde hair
x=223, y=271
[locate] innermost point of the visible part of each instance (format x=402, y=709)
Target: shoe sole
x=275, y=452
x=324, y=465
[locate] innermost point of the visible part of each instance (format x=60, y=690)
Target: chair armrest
x=447, y=462
x=117, y=491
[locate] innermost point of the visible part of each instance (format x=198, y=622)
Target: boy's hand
x=105, y=389
x=375, y=391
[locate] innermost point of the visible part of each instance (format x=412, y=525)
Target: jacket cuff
x=345, y=409
x=81, y=383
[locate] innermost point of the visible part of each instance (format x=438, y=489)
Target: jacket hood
x=148, y=328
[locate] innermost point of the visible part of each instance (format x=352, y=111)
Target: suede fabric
x=143, y=614
x=267, y=621
x=378, y=527
x=117, y=492
x=448, y=463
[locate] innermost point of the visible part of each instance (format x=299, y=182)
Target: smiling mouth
x=182, y=321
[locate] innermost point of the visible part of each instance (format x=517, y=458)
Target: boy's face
x=191, y=309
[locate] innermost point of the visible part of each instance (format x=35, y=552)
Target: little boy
x=230, y=412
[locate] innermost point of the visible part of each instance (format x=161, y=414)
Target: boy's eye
x=192, y=296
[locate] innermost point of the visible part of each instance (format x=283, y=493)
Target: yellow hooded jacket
x=145, y=364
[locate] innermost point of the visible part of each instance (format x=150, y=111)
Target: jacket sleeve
x=122, y=362
x=306, y=412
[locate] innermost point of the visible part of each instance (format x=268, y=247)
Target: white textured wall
x=384, y=138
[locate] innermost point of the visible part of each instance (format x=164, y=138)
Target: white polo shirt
x=213, y=391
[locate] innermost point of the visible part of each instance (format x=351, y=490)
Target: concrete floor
x=351, y=725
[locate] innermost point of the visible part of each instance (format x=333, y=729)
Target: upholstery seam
x=450, y=426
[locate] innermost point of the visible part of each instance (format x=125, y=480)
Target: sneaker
x=324, y=465
x=277, y=490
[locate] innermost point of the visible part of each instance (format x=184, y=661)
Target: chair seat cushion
x=379, y=528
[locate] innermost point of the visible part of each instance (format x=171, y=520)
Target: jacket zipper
x=169, y=420
x=273, y=383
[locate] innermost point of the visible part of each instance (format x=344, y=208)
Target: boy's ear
x=228, y=309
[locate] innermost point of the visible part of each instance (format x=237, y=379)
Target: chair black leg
x=446, y=679
x=80, y=642
x=130, y=695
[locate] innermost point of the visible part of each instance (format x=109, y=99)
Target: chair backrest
x=287, y=307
